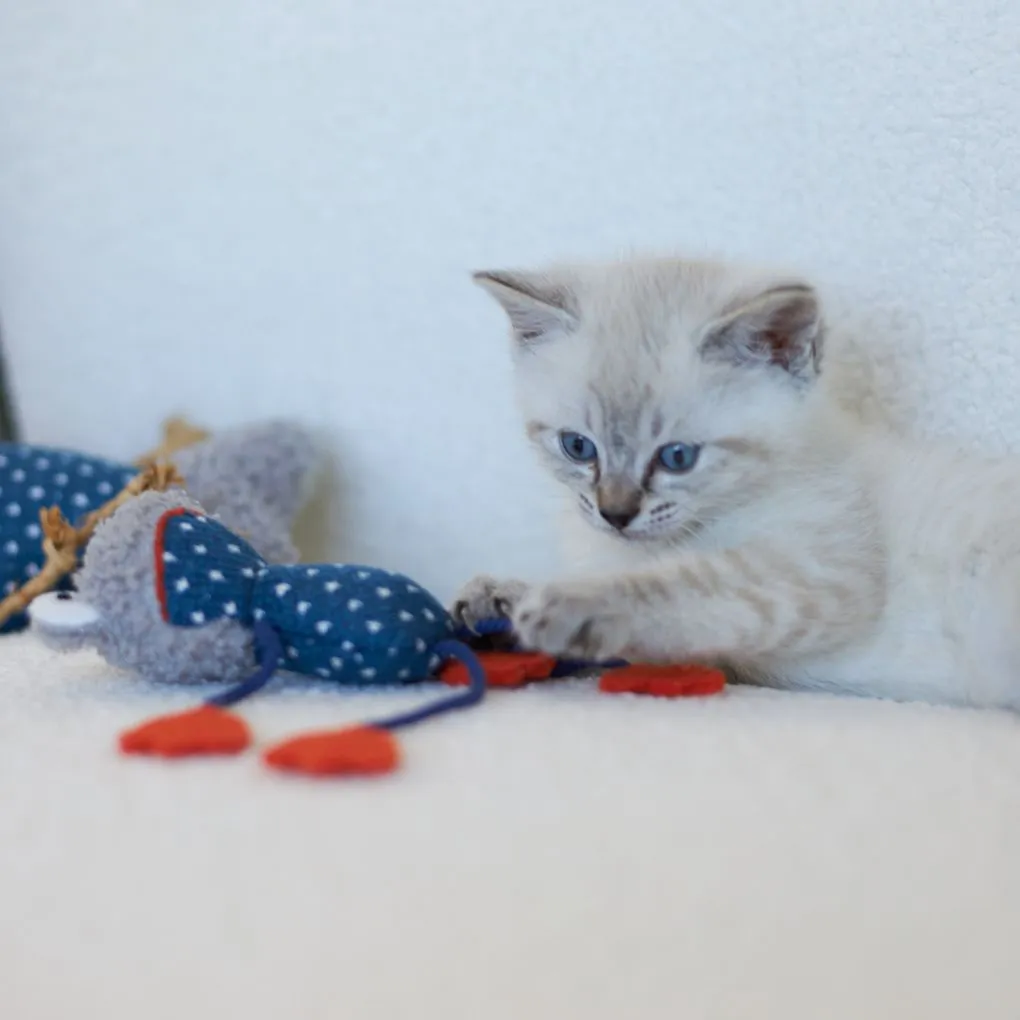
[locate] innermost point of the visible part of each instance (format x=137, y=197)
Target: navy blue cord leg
x=463, y=699
x=267, y=654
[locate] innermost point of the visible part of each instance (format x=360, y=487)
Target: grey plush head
x=116, y=609
x=256, y=479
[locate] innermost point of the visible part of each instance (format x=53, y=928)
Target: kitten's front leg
x=744, y=605
x=580, y=619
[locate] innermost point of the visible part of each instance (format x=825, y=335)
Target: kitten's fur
x=810, y=546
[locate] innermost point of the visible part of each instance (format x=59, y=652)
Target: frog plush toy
x=168, y=591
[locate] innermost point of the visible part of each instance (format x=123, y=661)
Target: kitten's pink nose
x=619, y=519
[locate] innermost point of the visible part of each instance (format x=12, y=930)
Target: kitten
x=726, y=504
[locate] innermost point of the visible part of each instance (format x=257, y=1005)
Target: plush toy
x=169, y=592
x=255, y=478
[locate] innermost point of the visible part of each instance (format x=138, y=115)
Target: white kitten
x=726, y=505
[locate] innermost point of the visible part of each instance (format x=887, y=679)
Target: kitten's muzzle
x=619, y=504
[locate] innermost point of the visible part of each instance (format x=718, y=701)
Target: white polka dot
x=263, y=572
x=17, y=475
x=282, y=589
x=230, y=608
x=36, y=492
x=197, y=617
x=80, y=499
x=303, y=607
x=331, y=586
x=347, y=646
x=354, y=605
x=413, y=588
x=3, y=461
x=368, y=672
x=419, y=645
x=104, y=488
x=187, y=526
x=404, y=674
x=336, y=663
x=384, y=593
x=312, y=572
x=61, y=478
x=247, y=572
x=259, y=614
x=86, y=470
x=392, y=652
x=324, y=626
x=364, y=575
x=13, y=510
x=32, y=569
x=199, y=550
x=9, y=587
x=215, y=575
x=292, y=651
x=11, y=548
x=168, y=557
x=322, y=671
x=358, y=657
x=201, y=519
x=405, y=616
x=433, y=663
x=182, y=584
x=233, y=548
x=42, y=463
x=373, y=626
x=33, y=531
x=428, y=614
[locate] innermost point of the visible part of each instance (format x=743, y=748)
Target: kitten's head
x=663, y=393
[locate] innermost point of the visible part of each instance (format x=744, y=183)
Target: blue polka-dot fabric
x=33, y=478
x=347, y=623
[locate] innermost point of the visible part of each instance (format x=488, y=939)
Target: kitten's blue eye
x=578, y=448
x=678, y=457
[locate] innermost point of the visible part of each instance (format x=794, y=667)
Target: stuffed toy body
x=255, y=478
x=169, y=592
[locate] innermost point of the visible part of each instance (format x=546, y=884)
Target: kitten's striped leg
x=742, y=605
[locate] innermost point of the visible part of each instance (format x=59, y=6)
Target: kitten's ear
x=538, y=308
x=781, y=327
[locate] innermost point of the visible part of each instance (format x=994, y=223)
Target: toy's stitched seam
x=157, y=551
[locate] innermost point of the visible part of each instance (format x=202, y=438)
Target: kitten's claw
x=485, y=598
x=583, y=621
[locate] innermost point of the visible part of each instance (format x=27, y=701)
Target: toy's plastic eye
x=62, y=612
x=678, y=458
x=578, y=448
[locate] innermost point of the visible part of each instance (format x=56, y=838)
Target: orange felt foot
x=663, y=681
x=361, y=750
x=502, y=669
x=204, y=730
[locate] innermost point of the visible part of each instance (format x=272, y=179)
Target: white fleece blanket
x=556, y=853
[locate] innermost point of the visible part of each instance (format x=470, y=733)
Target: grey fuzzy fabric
x=118, y=580
x=255, y=479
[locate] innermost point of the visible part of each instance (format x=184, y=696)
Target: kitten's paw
x=583, y=621
x=485, y=598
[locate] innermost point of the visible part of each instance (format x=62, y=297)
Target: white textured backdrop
x=242, y=208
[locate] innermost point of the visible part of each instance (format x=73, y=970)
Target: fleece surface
x=556, y=853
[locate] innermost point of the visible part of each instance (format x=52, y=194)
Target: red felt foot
x=204, y=730
x=502, y=669
x=663, y=681
x=360, y=750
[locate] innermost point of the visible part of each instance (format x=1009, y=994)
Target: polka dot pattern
x=35, y=477
x=353, y=624
x=347, y=623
